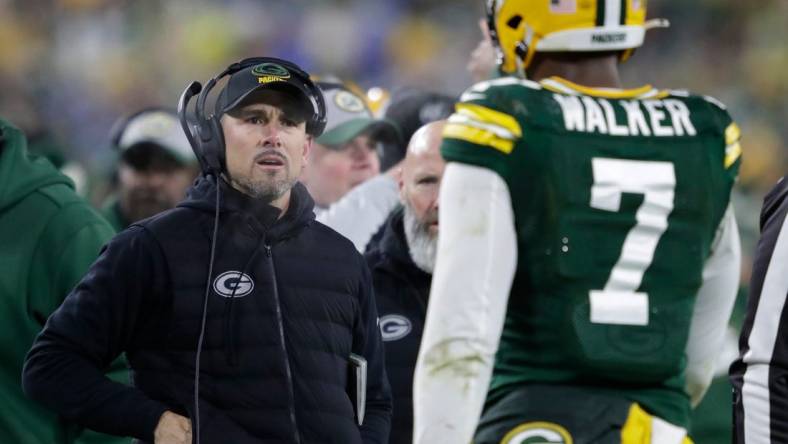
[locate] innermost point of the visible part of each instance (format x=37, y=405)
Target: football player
x=588, y=258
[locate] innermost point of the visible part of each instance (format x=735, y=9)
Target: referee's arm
x=760, y=374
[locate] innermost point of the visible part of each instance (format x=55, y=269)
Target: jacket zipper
x=280, y=321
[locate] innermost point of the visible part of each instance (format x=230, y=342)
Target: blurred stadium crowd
x=70, y=68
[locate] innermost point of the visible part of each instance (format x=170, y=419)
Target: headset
x=206, y=136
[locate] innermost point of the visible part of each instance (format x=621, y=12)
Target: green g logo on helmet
x=270, y=72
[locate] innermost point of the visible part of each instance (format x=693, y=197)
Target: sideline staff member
x=49, y=236
x=401, y=264
x=288, y=299
x=156, y=166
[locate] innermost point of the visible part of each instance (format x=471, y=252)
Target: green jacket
x=48, y=238
x=112, y=214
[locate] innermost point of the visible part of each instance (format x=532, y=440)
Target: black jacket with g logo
x=401, y=290
x=289, y=301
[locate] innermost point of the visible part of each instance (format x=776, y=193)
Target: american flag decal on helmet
x=563, y=6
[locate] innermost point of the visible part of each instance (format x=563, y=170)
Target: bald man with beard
x=402, y=264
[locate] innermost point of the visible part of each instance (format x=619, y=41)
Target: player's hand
x=173, y=429
x=482, y=60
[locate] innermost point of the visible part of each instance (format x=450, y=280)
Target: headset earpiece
x=317, y=124
x=207, y=137
x=214, y=147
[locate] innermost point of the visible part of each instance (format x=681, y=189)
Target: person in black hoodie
x=402, y=262
x=288, y=300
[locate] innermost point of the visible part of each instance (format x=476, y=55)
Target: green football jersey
x=617, y=197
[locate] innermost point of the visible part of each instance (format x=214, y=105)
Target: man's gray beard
x=266, y=191
x=423, y=247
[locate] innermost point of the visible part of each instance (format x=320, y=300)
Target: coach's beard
x=422, y=245
x=265, y=190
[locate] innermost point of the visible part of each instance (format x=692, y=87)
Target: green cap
x=347, y=116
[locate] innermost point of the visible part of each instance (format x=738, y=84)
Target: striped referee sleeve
x=760, y=374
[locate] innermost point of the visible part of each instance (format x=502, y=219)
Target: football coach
x=243, y=319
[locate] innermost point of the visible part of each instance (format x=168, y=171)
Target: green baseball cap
x=348, y=116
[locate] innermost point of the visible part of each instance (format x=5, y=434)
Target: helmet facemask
x=508, y=38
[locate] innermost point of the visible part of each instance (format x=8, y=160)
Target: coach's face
x=266, y=145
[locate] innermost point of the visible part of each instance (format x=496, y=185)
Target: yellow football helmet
x=520, y=28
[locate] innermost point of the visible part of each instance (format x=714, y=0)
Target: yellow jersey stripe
x=490, y=116
x=732, y=145
x=732, y=154
x=468, y=121
x=642, y=428
x=477, y=136
x=557, y=87
x=597, y=92
x=732, y=133
x=637, y=429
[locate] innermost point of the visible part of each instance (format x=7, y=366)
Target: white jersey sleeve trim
x=713, y=308
x=477, y=257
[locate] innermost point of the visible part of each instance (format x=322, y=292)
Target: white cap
x=158, y=127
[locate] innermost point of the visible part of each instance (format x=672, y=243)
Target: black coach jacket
x=401, y=290
x=289, y=300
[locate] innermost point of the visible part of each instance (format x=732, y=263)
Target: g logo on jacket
x=233, y=284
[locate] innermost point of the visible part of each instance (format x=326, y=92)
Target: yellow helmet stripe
x=608, y=12
x=477, y=136
x=611, y=12
x=490, y=116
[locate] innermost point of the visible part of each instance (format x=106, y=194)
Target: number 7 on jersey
x=620, y=302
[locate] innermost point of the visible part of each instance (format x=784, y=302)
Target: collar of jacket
x=393, y=248
x=202, y=196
